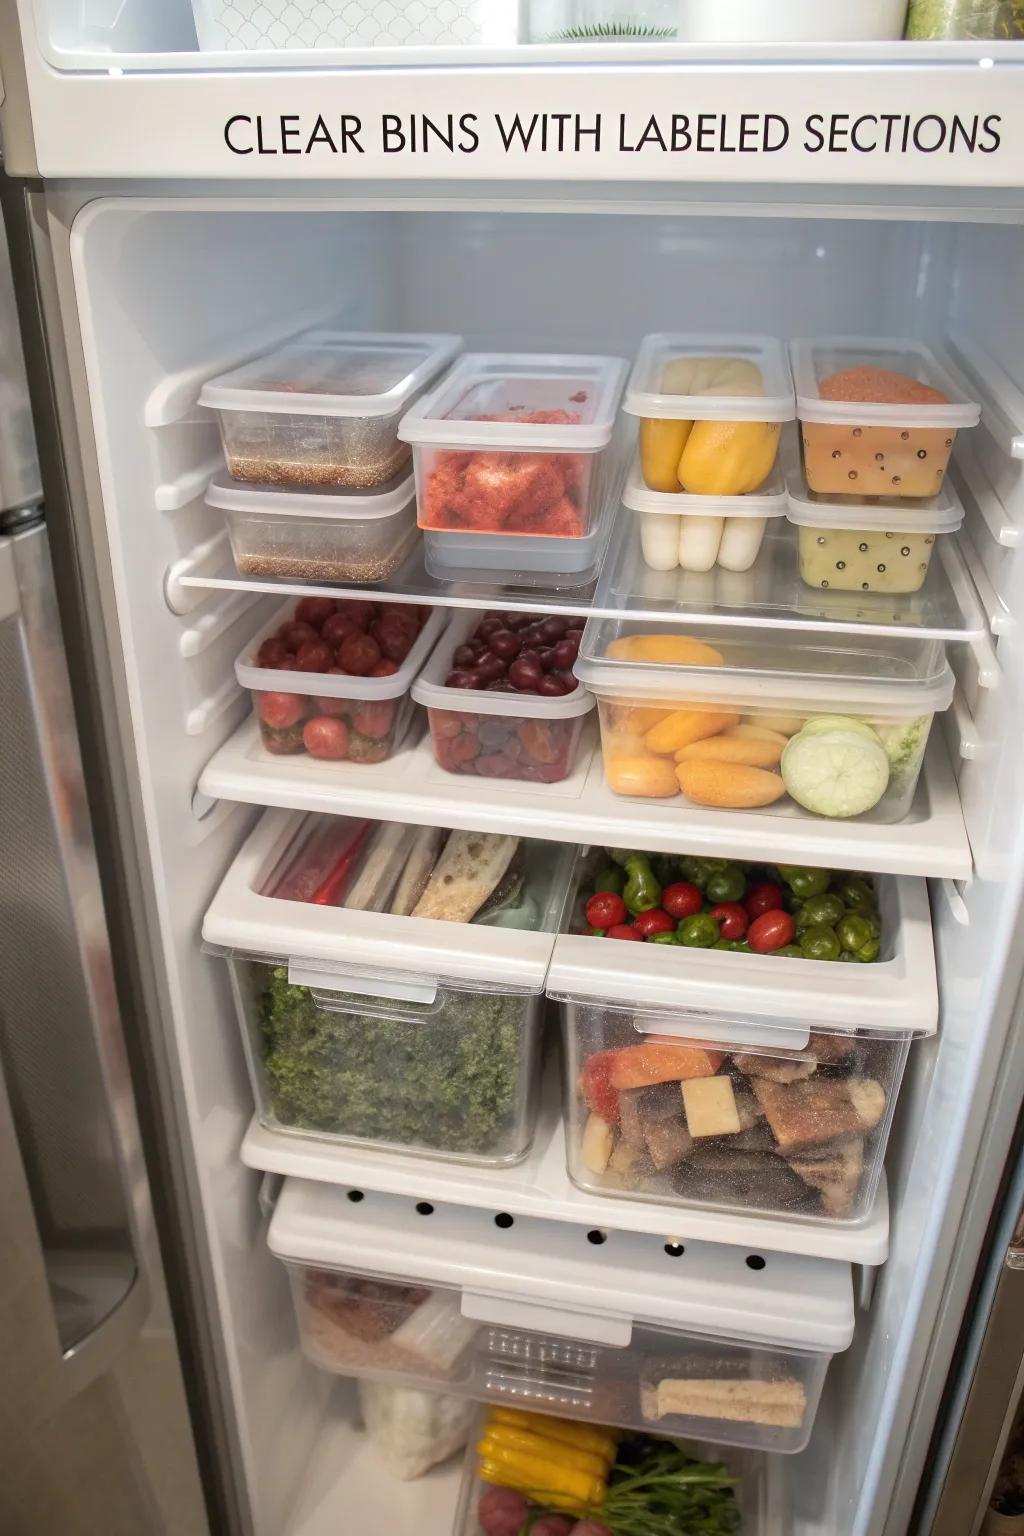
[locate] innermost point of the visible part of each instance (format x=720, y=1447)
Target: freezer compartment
x=868, y=543
x=530, y=731
x=333, y=678
x=612, y=1328
x=877, y=417
x=710, y=410
x=782, y=724
x=761, y=1493
x=516, y=445
x=324, y=410
x=799, y=1134
x=318, y=535
x=388, y=981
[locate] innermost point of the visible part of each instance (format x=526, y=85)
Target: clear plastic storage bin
x=506, y=735
x=711, y=410
x=317, y=535
x=739, y=1081
x=877, y=417
x=373, y=1009
x=740, y=719
x=681, y=1340
x=337, y=716
x=517, y=445
x=869, y=543
x=698, y=533
x=324, y=410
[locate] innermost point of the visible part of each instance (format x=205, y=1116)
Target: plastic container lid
x=488, y=384
x=943, y=513
x=888, y=677
x=645, y=395
x=820, y=359
x=334, y=373
x=429, y=688
x=332, y=685
x=769, y=501
x=319, y=501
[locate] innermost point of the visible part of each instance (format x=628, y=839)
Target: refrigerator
x=175, y=211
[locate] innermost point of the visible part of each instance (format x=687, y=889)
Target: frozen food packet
x=413, y=1430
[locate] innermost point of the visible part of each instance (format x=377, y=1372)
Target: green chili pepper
x=853, y=932
x=857, y=894
x=610, y=879
x=805, y=882
x=726, y=885
x=641, y=893
x=699, y=932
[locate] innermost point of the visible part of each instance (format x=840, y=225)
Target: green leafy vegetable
x=452, y=1080
x=602, y=31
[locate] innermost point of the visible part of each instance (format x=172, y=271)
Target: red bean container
x=499, y=734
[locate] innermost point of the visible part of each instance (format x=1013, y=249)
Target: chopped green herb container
x=966, y=20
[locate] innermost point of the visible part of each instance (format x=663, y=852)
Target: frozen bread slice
x=469, y=869
x=820, y=1110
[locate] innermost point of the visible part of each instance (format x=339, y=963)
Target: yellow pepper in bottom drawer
x=587, y=1437
x=543, y=1478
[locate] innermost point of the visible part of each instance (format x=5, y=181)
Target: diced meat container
x=698, y=533
x=739, y=1082
x=739, y=719
x=676, y=1339
x=869, y=543
x=516, y=445
x=324, y=409
x=511, y=735
x=320, y=534
x=877, y=417
x=375, y=711
x=363, y=1026
x=711, y=410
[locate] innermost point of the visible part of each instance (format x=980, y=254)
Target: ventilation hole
x=355, y=1195
x=836, y=454
x=824, y=583
x=890, y=535
x=949, y=442
x=597, y=1237
x=922, y=453
x=852, y=475
x=840, y=565
x=858, y=432
x=674, y=1250
x=424, y=1208
x=821, y=538
x=865, y=586
x=863, y=548
x=503, y=1220
x=905, y=551
x=880, y=569
x=879, y=458
x=897, y=480
x=755, y=1261
x=905, y=437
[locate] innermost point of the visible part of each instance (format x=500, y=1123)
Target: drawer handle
x=331, y=985
x=535, y=1317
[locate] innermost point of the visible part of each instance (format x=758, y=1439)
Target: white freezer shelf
x=540, y=1186
x=410, y=787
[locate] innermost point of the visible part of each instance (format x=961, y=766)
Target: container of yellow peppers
x=533, y=1475
x=711, y=412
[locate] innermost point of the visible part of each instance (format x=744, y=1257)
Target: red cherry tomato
x=682, y=900
x=337, y=629
x=295, y=634
x=766, y=897
x=326, y=737
x=280, y=710
x=624, y=931
x=272, y=652
x=314, y=656
x=606, y=909
x=771, y=931
x=655, y=921
x=315, y=610
x=384, y=668
x=359, y=654
x=731, y=919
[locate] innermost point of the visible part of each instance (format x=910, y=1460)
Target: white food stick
x=699, y=538
x=741, y=542
x=659, y=539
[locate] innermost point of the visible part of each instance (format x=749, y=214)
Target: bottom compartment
x=608, y=1328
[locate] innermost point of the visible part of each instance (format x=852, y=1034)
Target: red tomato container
x=499, y=735
x=338, y=716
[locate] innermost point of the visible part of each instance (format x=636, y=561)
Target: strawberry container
x=502, y=735
x=338, y=717
x=515, y=444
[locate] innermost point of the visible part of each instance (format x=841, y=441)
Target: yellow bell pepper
x=728, y=458
x=520, y=1440
x=661, y=447
x=547, y=1480
x=588, y=1437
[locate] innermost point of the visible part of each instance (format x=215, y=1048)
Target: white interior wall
x=165, y=293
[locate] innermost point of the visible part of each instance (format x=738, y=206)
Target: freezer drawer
x=609, y=1327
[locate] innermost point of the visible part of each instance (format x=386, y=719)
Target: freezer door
x=94, y=1432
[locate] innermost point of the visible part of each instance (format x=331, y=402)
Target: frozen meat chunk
x=819, y=1110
